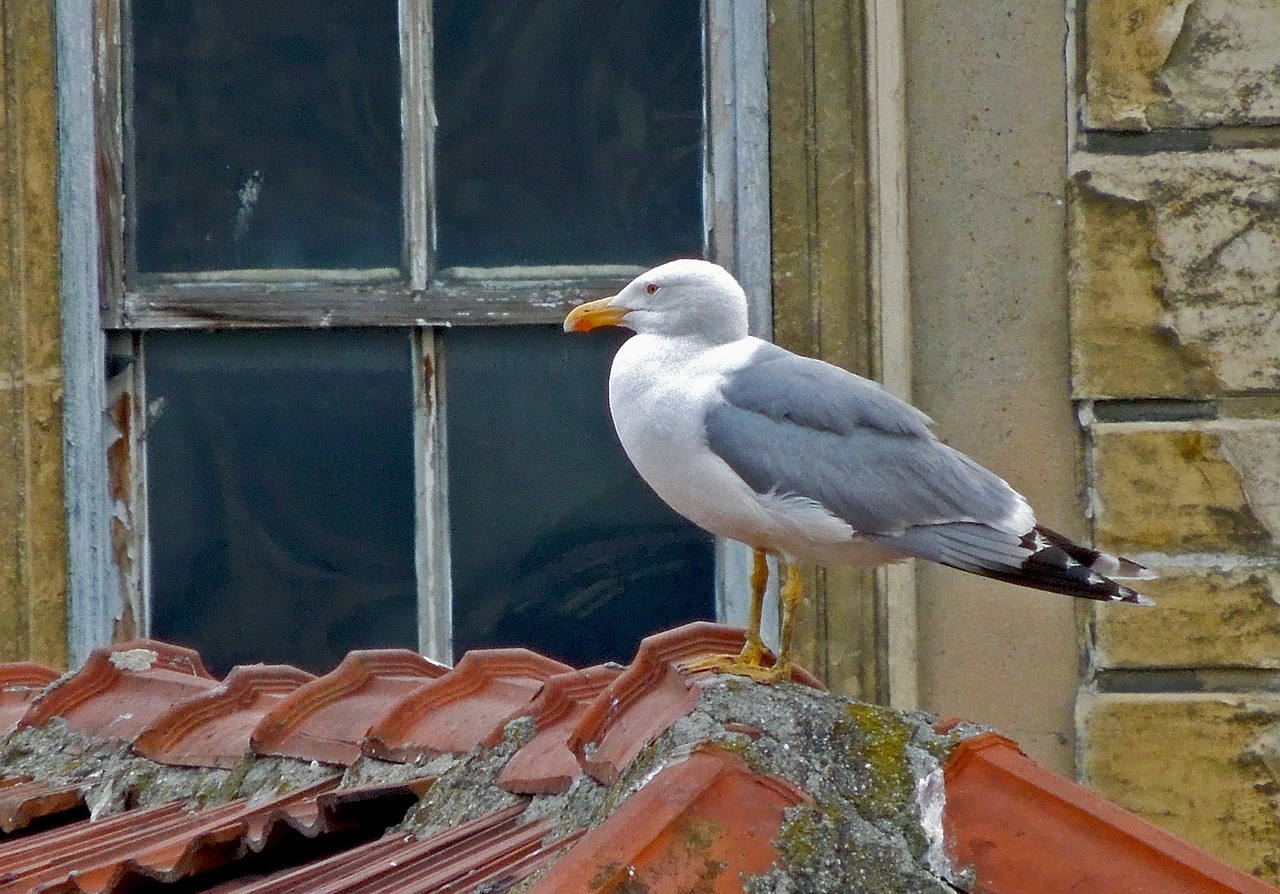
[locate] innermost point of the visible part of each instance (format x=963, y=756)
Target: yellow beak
x=593, y=315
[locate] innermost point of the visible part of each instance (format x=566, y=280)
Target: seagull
x=806, y=461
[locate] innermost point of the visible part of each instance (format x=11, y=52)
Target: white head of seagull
x=686, y=298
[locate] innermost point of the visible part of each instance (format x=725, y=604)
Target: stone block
x=1173, y=63
x=1188, y=487
x=1203, y=618
x=1196, y=765
x=1175, y=273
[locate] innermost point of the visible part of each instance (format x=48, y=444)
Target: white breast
x=659, y=392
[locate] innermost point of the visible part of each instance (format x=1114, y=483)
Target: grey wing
x=816, y=395
x=792, y=425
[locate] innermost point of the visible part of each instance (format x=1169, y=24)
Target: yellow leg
x=750, y=661
x=753, y=650
x=788, y=604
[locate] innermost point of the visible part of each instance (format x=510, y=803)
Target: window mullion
x=431, y=503
x=418, y=123
x=431, y=500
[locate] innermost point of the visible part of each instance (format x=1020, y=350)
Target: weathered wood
x=432, y=554
x=418, y=121
x=112, y=295
x=738, y=211
x=93, y=599
x=823, y=302
x=212, y=305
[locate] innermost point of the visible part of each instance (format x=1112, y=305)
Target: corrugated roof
x=394, y=774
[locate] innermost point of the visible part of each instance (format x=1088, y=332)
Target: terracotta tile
x=212, y=729
x=487, y=854
x=466, y=708
x=326, y=719
x=705, y=824
x=546, y=765
x=651, y=694
x=24, y=800
x=170, y=842
x=122, y=688
x=166, y=842
x=1024, y=828
x=20, y=683
x=51, y=857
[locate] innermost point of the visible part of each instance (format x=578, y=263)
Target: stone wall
x=1174, y=232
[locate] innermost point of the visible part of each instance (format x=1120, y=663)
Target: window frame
x=105, y=310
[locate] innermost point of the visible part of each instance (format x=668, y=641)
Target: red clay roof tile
x=121, y=689
x=489, y=853
x=545, y=765
x=24, y=800
x=326, y=719
x=651, y=694
x=463, y=709
x=20, y=683
x=212, y=729
x=705, y=824
x=166, y=842
x=172, y=842
x=1024, y=829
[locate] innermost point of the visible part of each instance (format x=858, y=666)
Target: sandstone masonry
x=1174, y=236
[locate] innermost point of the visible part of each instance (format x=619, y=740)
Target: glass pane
x=570, y=132
x=280, y=469
x=267, y=134
x=557, y=543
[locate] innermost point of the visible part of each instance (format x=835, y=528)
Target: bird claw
x=750, y=662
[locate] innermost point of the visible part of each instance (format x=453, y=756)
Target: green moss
x=877, y=738
x=797, y=839
x=734, y=743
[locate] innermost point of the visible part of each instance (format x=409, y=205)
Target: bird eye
x=651, y=287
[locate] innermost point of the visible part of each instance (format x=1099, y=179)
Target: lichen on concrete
x=863, y=765
x=468, y=789
x=109, y=774
x=112, y=777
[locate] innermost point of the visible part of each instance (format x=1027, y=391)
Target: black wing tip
x=1130, y=596
x=1059, y=564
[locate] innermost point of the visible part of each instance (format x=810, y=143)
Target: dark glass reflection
x=267, y=134
x=557, y=543
x=570, y=132
x=280, y=474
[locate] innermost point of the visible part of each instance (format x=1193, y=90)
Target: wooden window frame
x=104, y=311
x=841, y=292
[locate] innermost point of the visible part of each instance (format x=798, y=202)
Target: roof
x=513, y=772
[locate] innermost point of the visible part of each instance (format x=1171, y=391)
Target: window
x=338, y=239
